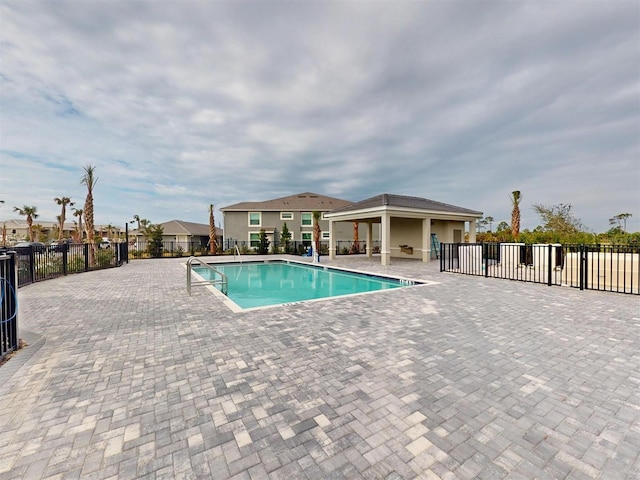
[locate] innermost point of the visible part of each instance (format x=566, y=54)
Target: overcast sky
x=183, y=104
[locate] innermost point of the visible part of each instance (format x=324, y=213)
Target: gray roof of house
x=178, y=227
x=306, y=202
x=403, y=201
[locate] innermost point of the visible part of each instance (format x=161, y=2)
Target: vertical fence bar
x=582, y=267
x=549, y=264
x=65, y=258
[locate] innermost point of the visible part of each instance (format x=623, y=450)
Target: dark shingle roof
x=306, y=201
x=403, y=201
x=178, y=227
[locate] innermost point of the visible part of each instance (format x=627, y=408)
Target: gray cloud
x=184, y=104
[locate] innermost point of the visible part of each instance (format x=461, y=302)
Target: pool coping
x=235, y=308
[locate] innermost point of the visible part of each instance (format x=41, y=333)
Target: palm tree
x=316, y=231
x=136, y=218
x=516, y=197
x=213, y=246
x=64, y=201
x=78, y=212
x=355, y=247
x=110, y=232
x=89, y=179
x=30, y=213
x=489, y=221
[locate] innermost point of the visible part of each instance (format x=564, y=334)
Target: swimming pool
x=260, y=284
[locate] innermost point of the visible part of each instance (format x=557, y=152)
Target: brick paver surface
x=129, y=377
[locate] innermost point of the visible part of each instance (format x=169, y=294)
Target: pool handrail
x=223, y=281
x=237, y=250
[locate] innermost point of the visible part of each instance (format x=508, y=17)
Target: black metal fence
x=8, y=304
x=149, y=249
x=35, y=264
x=587, y=267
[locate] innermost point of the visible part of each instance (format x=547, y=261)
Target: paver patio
x=126, y=376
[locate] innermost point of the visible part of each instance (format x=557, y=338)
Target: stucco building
x=410, y=227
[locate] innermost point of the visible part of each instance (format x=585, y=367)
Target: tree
x=110, y=231
x=285, y=237
x=263, y=243
x=488, y=221
x=154, y=234
x=620, y=220
x=63, y=201
x=89, y=180
x=502, y=226
x=316, y=231
x=78, y=212
x=142, y=222
x=558, y=218
x=30, y=213
x=213, y=246
x=355, y=246
x=516, y=198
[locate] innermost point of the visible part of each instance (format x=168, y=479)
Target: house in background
x=243, y=221
x=177, y=233
x=17, y=230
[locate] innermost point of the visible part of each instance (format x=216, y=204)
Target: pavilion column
x=385, y=248
x=472, y=231
x=369, y=239
x=332, y=243
x=426, y=240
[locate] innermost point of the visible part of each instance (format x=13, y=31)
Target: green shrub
x=75, y=264
x=104, y=257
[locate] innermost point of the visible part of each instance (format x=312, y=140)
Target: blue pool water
x=258, y=284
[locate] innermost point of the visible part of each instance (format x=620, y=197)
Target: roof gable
x=404, y=201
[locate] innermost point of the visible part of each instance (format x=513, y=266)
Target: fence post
x=32, y=264
x=86, y=257
x=581, y=267
x=549, y=269
x=485, y=254
x=442, y=251
x=65, y=256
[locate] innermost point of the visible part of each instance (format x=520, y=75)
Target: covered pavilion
x=410, y=227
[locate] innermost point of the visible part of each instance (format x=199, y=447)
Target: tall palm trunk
x=316, y=231
x=30, y=225
x=78, y=212
x=213, y=246
x=355, y=248
x=30, y=213
x=516, y=197
x=89, y=180
x=64, y=201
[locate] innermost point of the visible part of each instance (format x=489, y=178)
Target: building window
x=254, y=239
x=286, y=215
x=306, y=238
x=325, y=235
x=307, y=219
x=255, y=219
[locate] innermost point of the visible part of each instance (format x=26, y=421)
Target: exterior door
x=457, y=236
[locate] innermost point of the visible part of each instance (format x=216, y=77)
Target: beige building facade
x=243, y=221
